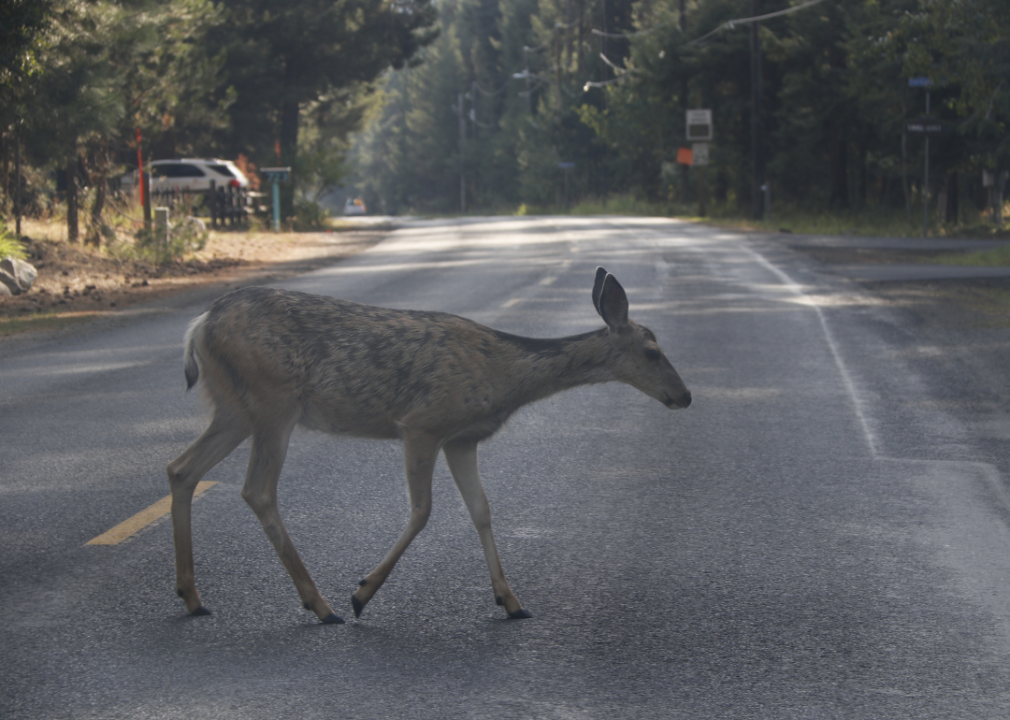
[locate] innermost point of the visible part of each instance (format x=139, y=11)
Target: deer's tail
x=190, y=366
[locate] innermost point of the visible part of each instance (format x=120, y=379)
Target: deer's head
x=638, y=360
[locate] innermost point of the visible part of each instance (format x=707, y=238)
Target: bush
x=309, y=215
x=185, y=236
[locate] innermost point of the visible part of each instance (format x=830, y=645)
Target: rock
x=195, y=224
x=16, y=276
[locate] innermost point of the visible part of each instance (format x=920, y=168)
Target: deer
x=271, y=360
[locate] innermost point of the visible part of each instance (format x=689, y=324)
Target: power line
x=730, y=24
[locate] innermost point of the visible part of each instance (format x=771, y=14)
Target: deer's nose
x=681, y=402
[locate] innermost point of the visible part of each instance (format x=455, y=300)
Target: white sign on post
x=699, y=154
x=699, y=124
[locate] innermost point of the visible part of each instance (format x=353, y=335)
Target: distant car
x=191, y=174
x=355, y=206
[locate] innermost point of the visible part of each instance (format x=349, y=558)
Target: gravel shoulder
x=78, y=284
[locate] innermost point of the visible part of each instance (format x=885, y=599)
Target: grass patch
x=10, y=246
x=872, y=222
x=341, y=225
x=998, y=257
x=42, y=322
x=621, y=205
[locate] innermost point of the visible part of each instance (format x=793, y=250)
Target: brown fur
x=271, y=360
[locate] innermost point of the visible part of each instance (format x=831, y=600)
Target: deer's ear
x=613, y=303
x=601, y=275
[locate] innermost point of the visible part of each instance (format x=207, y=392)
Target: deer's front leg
x=462, y=460
x=420, y=451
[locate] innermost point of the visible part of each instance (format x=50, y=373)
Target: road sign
x=699, y=124
x=276, y=174
x=919, y=82
x=566, y=165
x=926, y=125
x=699, y=154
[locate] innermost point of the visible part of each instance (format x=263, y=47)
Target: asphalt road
x=817, y=536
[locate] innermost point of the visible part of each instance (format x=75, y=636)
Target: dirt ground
x=955, y=304
x=77, y=282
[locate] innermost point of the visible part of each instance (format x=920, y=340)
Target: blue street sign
x=919, y=82
x=276, y=174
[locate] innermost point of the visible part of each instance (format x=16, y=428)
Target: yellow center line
x=142, y=519
x=511, y=303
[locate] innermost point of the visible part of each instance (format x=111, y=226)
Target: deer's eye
x=652, y=355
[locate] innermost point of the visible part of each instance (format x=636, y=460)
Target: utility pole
x=17, y=179
x=685, y=186
x=526, y=73
x=925, y=182
x=557, y=63
x=473, y=134
x=462, y=163
x=757, y=156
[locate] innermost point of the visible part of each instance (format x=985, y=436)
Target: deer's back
x=352, y=368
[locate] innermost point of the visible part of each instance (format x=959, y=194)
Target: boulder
x=16, y=276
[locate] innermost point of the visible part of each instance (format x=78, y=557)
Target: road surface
x=817, y=536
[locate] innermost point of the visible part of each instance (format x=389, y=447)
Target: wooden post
x=17, y=182
x=212, y=201
x=161, y=228
x=145, y=189
x=73, y=227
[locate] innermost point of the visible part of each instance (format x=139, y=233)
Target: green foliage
x=81, y=81
x=835, y=101
x=309, y=215
x=1000, y=257
x=10, y=246
x=184, y=237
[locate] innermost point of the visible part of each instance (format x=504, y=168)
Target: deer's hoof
x=332, y=619
x=357, y=605
x=201, y=611
x=520, y=614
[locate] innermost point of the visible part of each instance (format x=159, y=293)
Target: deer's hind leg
x=461, y=456
x=222, y=436
x=269, y=448
x=420, y=451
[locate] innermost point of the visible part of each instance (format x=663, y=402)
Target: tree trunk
x=953, y=204
x=289, y=153
x=839, y=180
x=73, y=226
x=97, y=224
x=904, y=175
x=864, y=171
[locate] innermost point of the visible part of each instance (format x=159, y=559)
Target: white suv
x=190, y=174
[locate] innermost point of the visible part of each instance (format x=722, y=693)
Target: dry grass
x=77, y=283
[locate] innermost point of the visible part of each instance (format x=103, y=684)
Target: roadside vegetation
x=560, y=106
x=124, y=82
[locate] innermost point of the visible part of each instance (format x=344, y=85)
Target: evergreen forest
x=543, y=103
x=482, y=106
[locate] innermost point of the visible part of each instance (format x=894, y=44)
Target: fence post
x=161, y=228
x=212, y=201
x=145, y=179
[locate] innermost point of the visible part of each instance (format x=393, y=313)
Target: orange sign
x=685, y=156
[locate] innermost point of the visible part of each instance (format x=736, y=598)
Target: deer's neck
x=547, y=366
